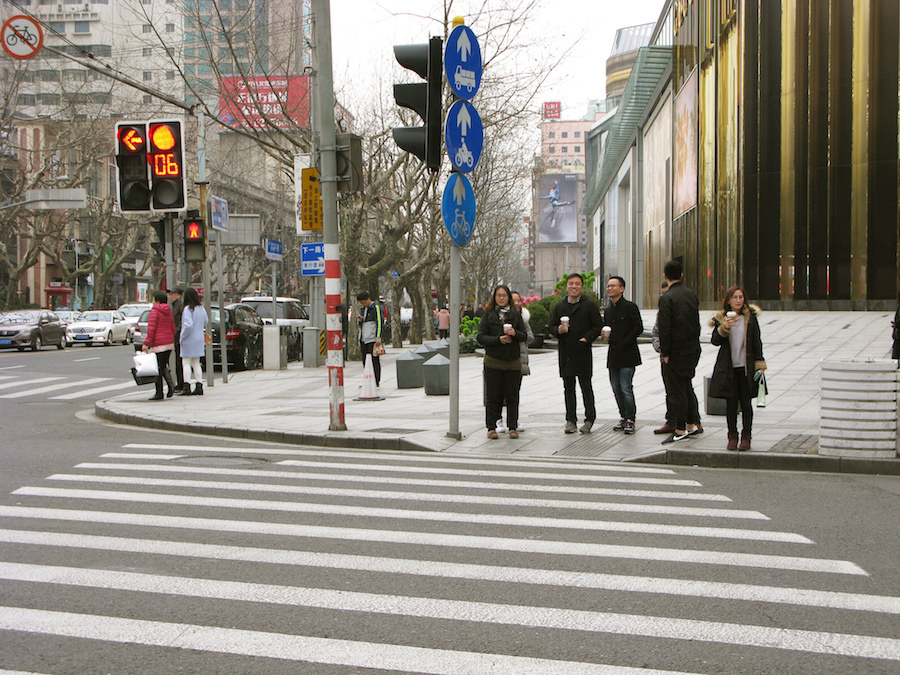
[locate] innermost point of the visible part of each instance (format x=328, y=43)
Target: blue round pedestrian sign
x=462, y=62
x=458, y=208
x=464, y=136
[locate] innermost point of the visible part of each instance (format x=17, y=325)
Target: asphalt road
x=136, y=551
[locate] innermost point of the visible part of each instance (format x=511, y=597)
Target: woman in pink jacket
x=160, y=340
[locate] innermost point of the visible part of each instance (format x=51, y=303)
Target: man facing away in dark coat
x=679, y=346
x=576, y=323
x=623, y=319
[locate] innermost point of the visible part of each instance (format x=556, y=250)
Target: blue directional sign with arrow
x=464, y=135
x=462, y=62
x=458, y=208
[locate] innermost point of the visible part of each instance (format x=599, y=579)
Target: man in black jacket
x=623, y=319
x=575, y=322
x=679, y=346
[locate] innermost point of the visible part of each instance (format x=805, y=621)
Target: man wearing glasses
x=622, y=326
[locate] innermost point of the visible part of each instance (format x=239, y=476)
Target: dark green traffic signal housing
x=132, y=171
x=424, y=97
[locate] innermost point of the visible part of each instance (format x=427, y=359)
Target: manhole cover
x=221, y=460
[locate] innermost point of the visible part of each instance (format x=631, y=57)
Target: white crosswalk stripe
x=54, y=387
x=16, y=387
x=497, y=563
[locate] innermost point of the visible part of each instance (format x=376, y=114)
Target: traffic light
x=424, y=98
x=165, y=156
x=194, y=240
x=132, y=172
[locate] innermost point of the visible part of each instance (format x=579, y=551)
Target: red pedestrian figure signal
x=194, y=240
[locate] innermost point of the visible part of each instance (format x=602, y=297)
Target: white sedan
x=101, y=327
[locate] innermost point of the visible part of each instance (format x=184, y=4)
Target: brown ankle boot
x=732, y=441
x=745, y=442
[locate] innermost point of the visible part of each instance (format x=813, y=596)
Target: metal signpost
x=464, y=138
x=219, y=222
x=274, y=253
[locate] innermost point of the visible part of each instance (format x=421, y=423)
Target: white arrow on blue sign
x=312, y=259
x=464, y=135
x=462, y=62
x=458, y=208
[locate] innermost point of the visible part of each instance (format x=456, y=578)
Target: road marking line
x=475, y=572
x=821, y=642
x=297, y=507
x=379, y=656
x=11, y=367
x=92, y=392
x=55, y=387
x=400, y=456
x=90, y=358
x=441, y=539
x=393, y=480
x=417, y=496
x=21, y=383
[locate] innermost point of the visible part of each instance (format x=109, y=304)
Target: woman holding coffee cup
x=736, y=333
x=500, y=332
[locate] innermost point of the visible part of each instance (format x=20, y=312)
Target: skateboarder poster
x=558, y=211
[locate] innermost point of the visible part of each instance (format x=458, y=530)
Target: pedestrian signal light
x=194, y=240
x=165, y=156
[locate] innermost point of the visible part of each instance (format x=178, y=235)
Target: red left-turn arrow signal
x=132, y=140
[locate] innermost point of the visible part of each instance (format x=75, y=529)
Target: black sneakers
x=629, y=427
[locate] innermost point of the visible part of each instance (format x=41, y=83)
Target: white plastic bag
x=760, y=377
x=145, y=365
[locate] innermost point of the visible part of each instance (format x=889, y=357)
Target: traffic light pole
x=169, y=224
x=328, y=181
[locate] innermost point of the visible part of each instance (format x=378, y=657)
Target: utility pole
x=328, y=181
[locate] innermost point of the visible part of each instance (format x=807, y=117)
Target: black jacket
x=624, y=318
x=721, y=385
x=490, y=330
x=575, y=357
x=679, y=328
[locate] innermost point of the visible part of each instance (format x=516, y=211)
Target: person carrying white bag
x=160, y=341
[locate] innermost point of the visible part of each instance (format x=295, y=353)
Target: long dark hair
x=192, y=298
x=726, y=303
x=492, y=303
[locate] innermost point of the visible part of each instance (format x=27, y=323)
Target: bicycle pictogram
x=21, y=32
x=21, y=37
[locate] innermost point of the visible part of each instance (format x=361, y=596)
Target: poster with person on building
x=558, y=211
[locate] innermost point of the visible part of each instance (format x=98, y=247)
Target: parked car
x=31, y=328
x=291, y=313
x=243, y=336
x=140, y=329
x=132, y=311
x=100, y=326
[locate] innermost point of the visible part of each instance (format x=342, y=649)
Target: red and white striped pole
x=328, y=182
x=335, y=328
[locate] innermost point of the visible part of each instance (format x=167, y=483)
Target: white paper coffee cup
x=507, y=326
x=606, y=331
x=731, y=315
x=564, y=321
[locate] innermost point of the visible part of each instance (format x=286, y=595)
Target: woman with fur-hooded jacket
x=740, y=356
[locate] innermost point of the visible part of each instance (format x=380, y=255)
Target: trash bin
x=436, y=376
x=313, y=342
x=275, y=339
x=714, y=406
x=409, y=371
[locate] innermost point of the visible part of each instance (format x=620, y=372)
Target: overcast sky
x=364, y=32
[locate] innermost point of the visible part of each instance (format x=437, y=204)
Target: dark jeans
x=680, y=398
x=369, y=348
x=620, y=379
x=662, y=372
x=740, y=395
x=587, y=393
x=162, y=362
x=500, y=386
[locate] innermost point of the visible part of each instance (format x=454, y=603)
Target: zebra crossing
x=13, y=387
x=248, y=559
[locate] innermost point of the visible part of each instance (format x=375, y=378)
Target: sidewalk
x=292, y=405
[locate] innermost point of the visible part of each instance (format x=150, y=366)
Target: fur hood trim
x=719, y=317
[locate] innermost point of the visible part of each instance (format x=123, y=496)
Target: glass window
x=58, y=27
x=170, y=74
x=565, y=149
x=565, y=134
x=552, y=134
x=146, y=28
x=577, y=148
x=148, y=76
x=148, y=98
x=82, y=27
x=147, y=51
x=577, y=134
x=26, y=99
x=170, y=27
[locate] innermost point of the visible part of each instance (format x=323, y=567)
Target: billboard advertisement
x=684, y=194
x=262, y=102
x=557, y=208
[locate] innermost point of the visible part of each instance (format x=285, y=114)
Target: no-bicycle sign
x=22, y=37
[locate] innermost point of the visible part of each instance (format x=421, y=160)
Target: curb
x=265, y=435
x=771, y=461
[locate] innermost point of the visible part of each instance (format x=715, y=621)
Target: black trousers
x=500, y=386
x=179, y=374
x=740, y=394
x=662, y=370
x=681, y=401
x=587, y=393
x=369, y=348
x=162, y=363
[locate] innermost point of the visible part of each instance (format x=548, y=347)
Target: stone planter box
x=858, y=411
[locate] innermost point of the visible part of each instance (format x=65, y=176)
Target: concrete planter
x=858, y=413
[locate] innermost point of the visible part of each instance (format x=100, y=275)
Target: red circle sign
x=22, y=37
